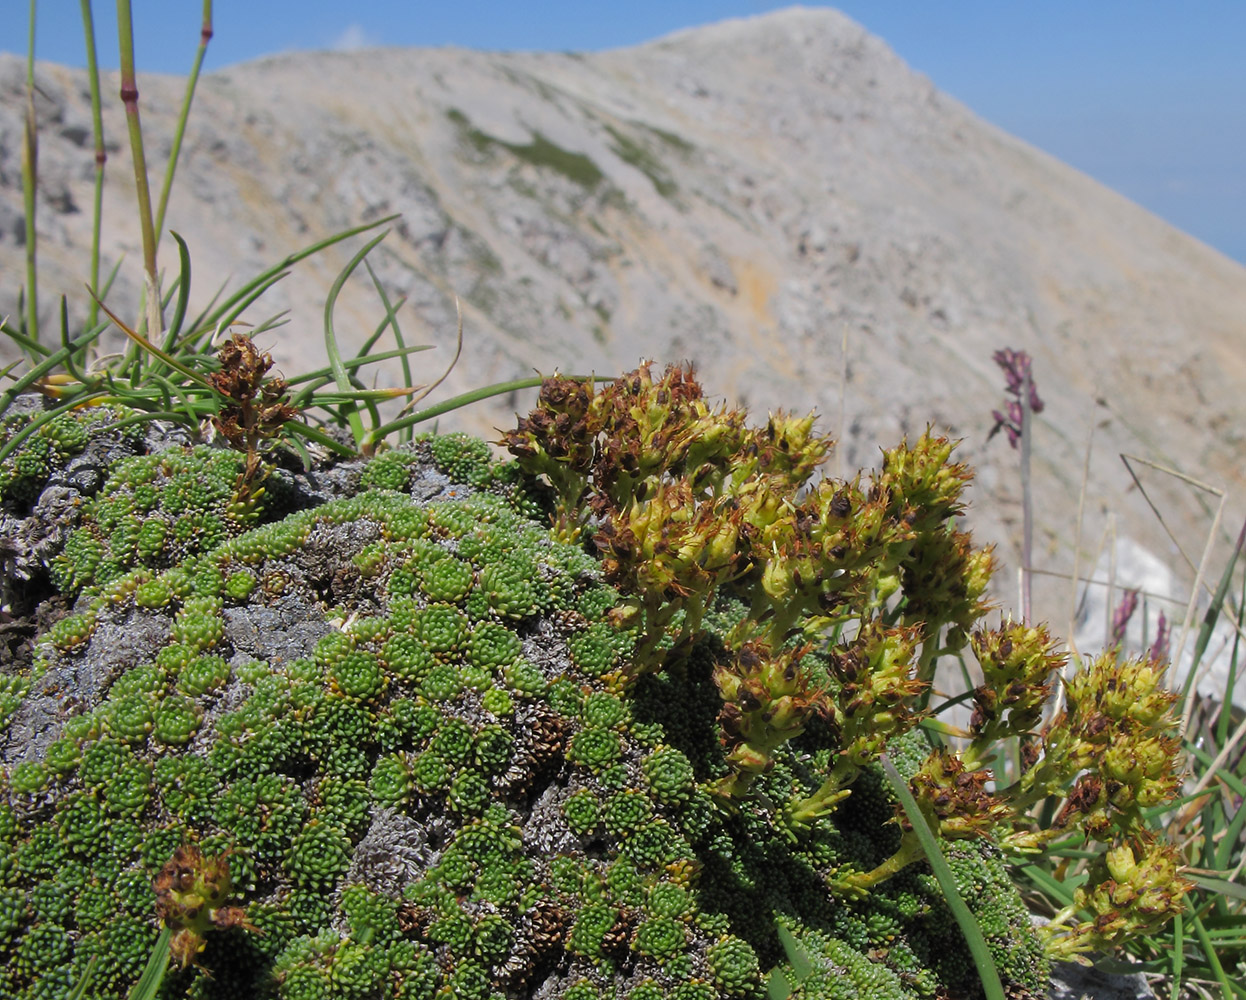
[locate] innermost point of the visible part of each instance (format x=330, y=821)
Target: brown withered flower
x=191, y=892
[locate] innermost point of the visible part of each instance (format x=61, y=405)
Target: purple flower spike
x=1158, y=653
x=1120, y=618
x=1016, y=366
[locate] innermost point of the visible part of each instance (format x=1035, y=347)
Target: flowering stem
x=101, y=157
x=205, y=35
x=1027, y=506
x=825, y=799
x=30, y=159
x=910, y=850
x=129, y=97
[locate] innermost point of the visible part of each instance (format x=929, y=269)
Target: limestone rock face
x=780, y=199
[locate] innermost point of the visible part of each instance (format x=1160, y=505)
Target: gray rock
x=1070, y=981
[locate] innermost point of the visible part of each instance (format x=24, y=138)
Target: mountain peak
x=779, y=198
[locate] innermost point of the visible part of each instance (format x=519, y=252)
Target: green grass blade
x=313, y=434
x=1230, y=842
x=138, y=156
x=1178, y=954
x=97, y=123
x=391, y=314
x=205, y=34
x=291, y=441
x=463, y=399
x=149, y=983
x=79, y=991
x=1213, y=960
x=1219, y=886
x=324, y=376
x=240, y=303
x=340, y=375
x=29, y=344
x=382, y=326
x=71, y=366
x=30, y=182
x=1225, y=718
x=1209, y=621
x=183, y=293
x=273, y=322
x=777, y=986
x=212, y=318
x=200, y=325
x=160, y=353
x=802, y=967
x=991, y=984
x=1235, y=784
x=45, y=367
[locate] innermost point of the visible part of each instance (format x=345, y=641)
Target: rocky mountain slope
x=780, y=199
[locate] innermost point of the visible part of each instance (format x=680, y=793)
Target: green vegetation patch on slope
x=540, y=152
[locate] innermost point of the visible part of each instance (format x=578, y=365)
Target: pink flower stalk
x=1120, y=617
x=1016, y=366
x=1158, y=653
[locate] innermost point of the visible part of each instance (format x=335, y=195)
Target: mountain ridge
x=750, y=195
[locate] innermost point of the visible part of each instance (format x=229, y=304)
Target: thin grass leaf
x=205, y=35
x=1235, y=784
x=321, y=377
x=1230, y=841
x=149, y=983
x=79, y=991
x=930, y=725
x=147, y=416
x=969, y=927
x=1220, y=886
x=183, y=293
x=340, y=375
x=200, y=325
x=194, y=408
x=1210, y=618
x=797, y=956
x=458, y=353
x=129, y=98
x=777, y=986
x=463, y=399
x=101, y=157
x=1060, y=892
x=391, y=323
x=138, y=362
x=238, y=304
x=1213, y=960
x=71, y=366
x=1225, y=717
x=211, y=317
x=292, y=441
x=163, y=355
x=313, y=434
x=273, y=322
x=112, y=278
x=381, y=327
x=27, y=343
x=30, y=182
x=1178, y=955
x=31, y=379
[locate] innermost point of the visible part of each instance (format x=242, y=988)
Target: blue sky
x=1147, y=96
